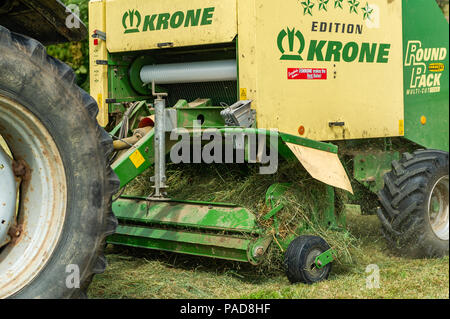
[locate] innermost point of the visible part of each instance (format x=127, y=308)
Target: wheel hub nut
x=258, y=252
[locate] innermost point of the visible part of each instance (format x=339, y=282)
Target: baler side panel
x=358, y=55
x=426, y=74
x=144, y=25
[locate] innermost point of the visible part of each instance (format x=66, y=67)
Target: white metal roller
x=190, y=72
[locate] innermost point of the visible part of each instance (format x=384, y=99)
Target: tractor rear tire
x=414, y=204
x=50, y=123
x=299, y=262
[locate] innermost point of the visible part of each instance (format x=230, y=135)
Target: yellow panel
x=98, y=72
x=141, y=24
x=246, y=50
x=342, y=87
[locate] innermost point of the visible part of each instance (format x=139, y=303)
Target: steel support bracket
x=324, y=258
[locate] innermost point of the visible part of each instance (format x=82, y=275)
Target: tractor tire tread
x=402, y=217
x=66, y=77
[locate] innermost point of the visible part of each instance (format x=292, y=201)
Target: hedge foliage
x=75, y=54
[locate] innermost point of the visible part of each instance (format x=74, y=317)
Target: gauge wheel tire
x=414, y=204
x=300, y=258
x=40, y=103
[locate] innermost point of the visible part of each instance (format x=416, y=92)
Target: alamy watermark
x=73, y=20
x=235, y=145
x=73, y=277
x=373, y=279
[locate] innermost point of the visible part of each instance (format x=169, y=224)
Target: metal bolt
x=259, y=251
x=19, y=168
x=14, y=231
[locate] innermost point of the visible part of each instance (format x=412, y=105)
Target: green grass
x=139, y=273
x=136, y=273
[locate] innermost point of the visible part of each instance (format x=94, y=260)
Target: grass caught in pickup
x=140, y=273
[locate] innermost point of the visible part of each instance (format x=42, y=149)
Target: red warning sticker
x=306, y=74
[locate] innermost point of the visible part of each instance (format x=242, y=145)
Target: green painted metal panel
x=192, y=243
x=369, y=168
x=127, y=169
x=426, y=84
x=124, y=167
x=120, y=85
x=273, y=212
x=329, y=217
x=135, y=71
x=186, y=214
x=209, y=116
x=274, y=193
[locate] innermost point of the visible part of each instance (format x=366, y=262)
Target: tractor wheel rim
x=438, y=208
x=42, y=199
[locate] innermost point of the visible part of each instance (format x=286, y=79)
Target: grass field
x=136, y=273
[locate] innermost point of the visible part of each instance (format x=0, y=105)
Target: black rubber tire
x=404, y=212
x=296, y=264
x=47, y=88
